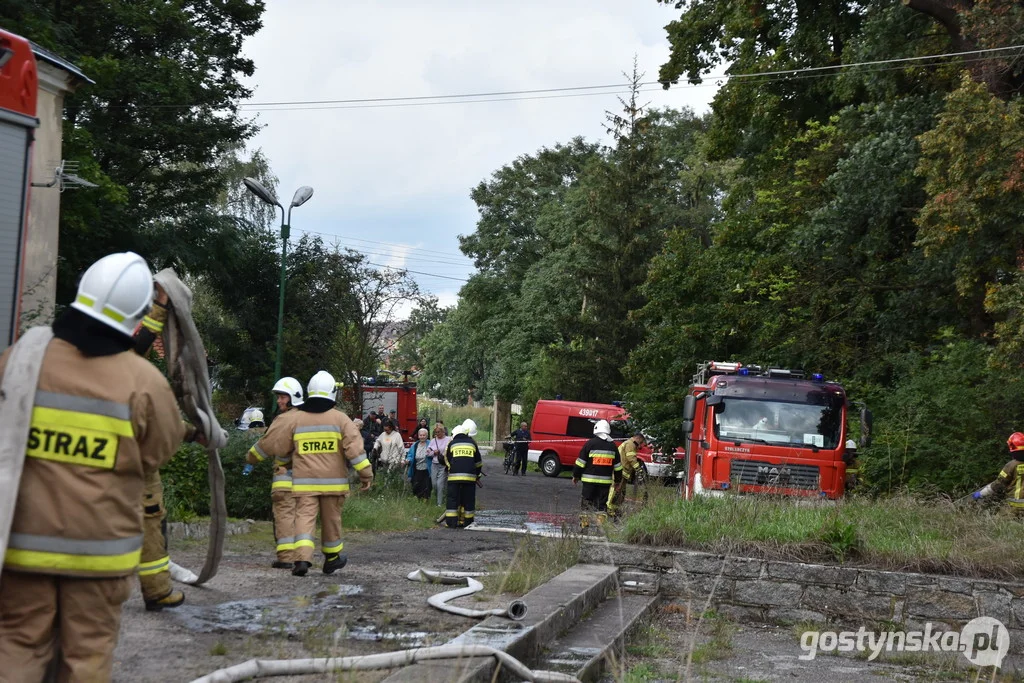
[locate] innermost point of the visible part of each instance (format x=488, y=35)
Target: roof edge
x=56, y=60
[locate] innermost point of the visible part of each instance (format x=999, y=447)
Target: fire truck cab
x=756, y=430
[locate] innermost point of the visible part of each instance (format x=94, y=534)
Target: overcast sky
x=394, y=181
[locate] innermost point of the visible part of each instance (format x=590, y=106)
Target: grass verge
x=535, y=560
x=388, y=506
x=898, y=533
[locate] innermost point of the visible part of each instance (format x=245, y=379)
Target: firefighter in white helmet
x=465, y=467
x=598, y=467
x=288, y=393
x=322, y=443
x=103, y=420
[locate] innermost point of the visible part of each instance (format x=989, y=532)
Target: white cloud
x=404, y=173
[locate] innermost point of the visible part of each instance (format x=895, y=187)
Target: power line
x=418, y=272
x=378, y=243
x=560, y=92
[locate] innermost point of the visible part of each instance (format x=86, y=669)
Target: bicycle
x=510, y=454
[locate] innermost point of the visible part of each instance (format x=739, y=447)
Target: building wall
x=39, y=283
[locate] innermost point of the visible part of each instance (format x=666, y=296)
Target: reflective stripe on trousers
x=155, y=567
x=31, y=551
x=320, y=485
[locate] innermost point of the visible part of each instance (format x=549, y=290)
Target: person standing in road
x=419, y=469
x=322, y=443
x=110, y=420
x=436, y=448
x=288, y=394
x=522, y=439
x=465, y=467
x=598, y=467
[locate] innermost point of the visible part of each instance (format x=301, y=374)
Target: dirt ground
x=250, y=610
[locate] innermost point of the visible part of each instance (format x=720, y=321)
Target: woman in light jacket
x=419, y=468
x=436, y=449
x=390, y=448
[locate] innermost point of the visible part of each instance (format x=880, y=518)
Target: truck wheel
x=549, y=465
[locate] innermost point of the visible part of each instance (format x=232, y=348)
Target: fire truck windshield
x=816, y=425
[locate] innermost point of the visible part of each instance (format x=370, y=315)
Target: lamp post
x=301, y=196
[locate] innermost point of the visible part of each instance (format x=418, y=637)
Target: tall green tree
x=150, y=131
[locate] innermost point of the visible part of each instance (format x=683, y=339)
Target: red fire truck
x=18, y=89
x=756, y=430
x=397, y=396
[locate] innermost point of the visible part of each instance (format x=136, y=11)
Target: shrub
x=187, y=487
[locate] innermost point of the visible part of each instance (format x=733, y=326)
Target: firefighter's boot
x=172, y=599
x=301, y=568
x=335, y=562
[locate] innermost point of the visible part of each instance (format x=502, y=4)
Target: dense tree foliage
x=864, y=222
x=162, y=113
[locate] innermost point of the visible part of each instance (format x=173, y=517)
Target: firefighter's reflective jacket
x=320, y=447
x=1011, y=482
x=598, y=463
x=462, y=459
x=99, y=425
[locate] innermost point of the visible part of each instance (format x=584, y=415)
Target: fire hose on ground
x=255, y=668
x=516, y=609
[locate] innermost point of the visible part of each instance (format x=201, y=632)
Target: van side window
x=581, y=427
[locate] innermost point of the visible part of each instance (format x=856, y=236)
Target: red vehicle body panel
x=398, y=397
x=560, y=428
x=19, y=87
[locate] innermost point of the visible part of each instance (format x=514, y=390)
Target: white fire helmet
x=117, y=290
x=322, y=385
x=290, y=387
x=469, y=427
x=602, y=428
x=256, y=416
x=458, y=430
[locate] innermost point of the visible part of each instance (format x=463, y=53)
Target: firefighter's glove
x=247, y=470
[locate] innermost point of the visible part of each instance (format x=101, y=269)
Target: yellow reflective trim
x=71, y=418
x=461, y=477
x=154, y=326
x=279, y=485
x=155, y=567
x=71, y=445
x=320, y=487
x=112, y=314
x=304, y=544
x=361, y=465
x=595, y=480
x=333, y=548
x=87, y=300
x=285, y=546
x=312, y=443
x=38, y=559
x=256, y=454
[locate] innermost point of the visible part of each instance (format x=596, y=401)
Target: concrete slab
x=598, y=642
x=554, y=608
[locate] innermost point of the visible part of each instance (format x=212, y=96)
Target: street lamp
x=301, y=196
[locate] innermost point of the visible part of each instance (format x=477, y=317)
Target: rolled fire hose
x=190, y=379
x=256, y=668
x=516, y=609
x=17, y=396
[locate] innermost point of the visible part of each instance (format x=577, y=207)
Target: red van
x=560, y=428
